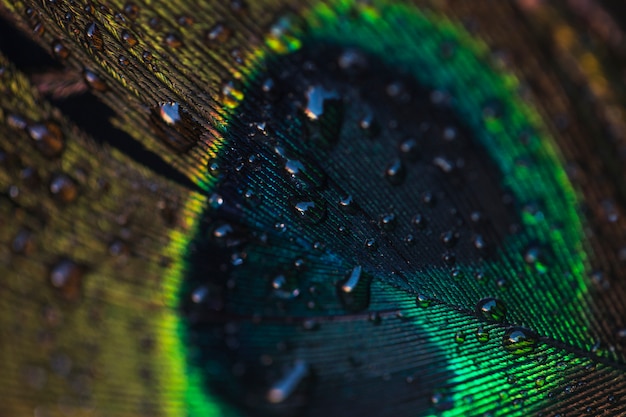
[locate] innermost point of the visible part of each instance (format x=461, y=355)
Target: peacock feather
x=287, y=208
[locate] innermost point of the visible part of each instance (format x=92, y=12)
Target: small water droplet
x=282, y=37
x=67, y=277
x=283, y=388
x=94, y=36
x=519, y=341
x=231, y=94
x=409, y=149
x=482, y=335
x=395, y=172
x=460, y=337
x=131, y=10
x=173, y=41
x=311, y=211
x=48, y=137
x=59, y=50
x=347, y=204
x=354, y=291
x=128, y=38
x=449, y=238
x=387, y=221
x=535, y=256
x=492, y=309
x=218, y=33
x=423, y=300
x=23, y=242
x=63, y=188
x=94, y=81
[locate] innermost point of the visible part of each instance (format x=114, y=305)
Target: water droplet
x=173, y=41
x=460, y=337
x=48, y=137
x=347, y=204
x=59, y=50
x=123, y=61
x=199, y=294
x=176, y=127
x=63, y=188
x=67, y=277
x=131, y=10
x=317, y=99
x=352, y=60
x=449, y=238
x=128, y=38
x=409, y=149
x=444, y=164
x=94, y=36
x=94, y=81
x=304, y=176
x=354, y=291
x=282, y=37
x=419, y=221
x=387, y=221
x=540, y=382
x=281, y=288
x=519, y=341
x=218, y=33
x=534, y=256
x=442, y=402
x=310, y=210
x=23, y=242
x=423, y=300
x=479, y=242
x=231, y=94
x=492, y=309
x=215, y=201
x=283, y=388
x=395, y=172
x=482, y=335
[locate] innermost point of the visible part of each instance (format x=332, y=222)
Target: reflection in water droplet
x=519, y=341
x=283, y=388
x=492, y=309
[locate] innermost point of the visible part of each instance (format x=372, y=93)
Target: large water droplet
x=519, y=341
x=492, y=309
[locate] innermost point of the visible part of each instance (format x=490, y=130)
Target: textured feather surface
x=374, y=208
